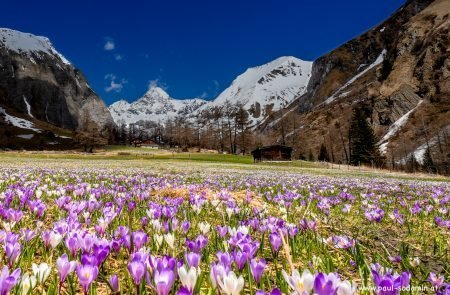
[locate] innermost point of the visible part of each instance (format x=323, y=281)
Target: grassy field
x=120, y=156
x=123, y=212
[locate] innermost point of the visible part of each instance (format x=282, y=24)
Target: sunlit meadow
x=90, y=230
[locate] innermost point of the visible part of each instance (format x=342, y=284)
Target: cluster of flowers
x=66, y=231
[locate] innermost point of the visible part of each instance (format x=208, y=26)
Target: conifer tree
x=323, y=154
x=363, y=143
x=428, y=163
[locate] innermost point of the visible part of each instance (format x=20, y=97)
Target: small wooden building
x=272, y=153
x=145, y=143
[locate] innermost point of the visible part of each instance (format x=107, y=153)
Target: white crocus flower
x=158, y=240
x=41, y=271
x=170, y=239
x=204, y=227
x=27, y=283
x=150, y=212
x=230, y=283
x=301, y=284
x=8, y=226
x=346, y=288
x=188, y=278
x=156, y=224
x=55, y=239
x=415, y=261
x=230, y=212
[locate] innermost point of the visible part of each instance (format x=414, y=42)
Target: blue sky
x=191, y=48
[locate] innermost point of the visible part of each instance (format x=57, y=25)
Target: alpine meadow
x=225, y=147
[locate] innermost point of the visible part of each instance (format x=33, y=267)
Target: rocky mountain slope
x=40, y=87
x=261, y=90
x=398, y=73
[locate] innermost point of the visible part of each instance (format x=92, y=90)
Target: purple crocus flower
x=12, y=251
x=64, y=267
x=113, y=283
x=325, y=284
x=435, y=280
x=257, y=268
x=275, y=241
x=184, y=291
x=86, y=275
x=224, y=259
x=444, y=289
x=396, y=259
x=7, y=280
x=185, y=226
x=89, y=259
x=137, y=271
x=387, y=282
x=193, y=259
x=240, y=258
x=27, y=234
x=164, y=280
x=222, y=230
x=139, y=239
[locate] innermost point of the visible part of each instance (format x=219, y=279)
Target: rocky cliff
x=39, y=85
x=398, y=72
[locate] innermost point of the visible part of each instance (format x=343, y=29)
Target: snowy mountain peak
x=261, y=90
x=267, y=88
x=156, y=93
x=121, y=104
x=28, y=44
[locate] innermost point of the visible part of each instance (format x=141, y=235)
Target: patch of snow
x=293, y=131
x=28, y=106
x=18, y=122
x=46, y=114
x=419, y=152
x=274, y=122
x=29, y=44
x=383, y=148
x=26, y=136
x=345, y=93
x=378, y=61
x=395, y=127
x=361, y=66
x=382, y=29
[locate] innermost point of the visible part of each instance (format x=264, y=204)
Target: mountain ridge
x=263, y=89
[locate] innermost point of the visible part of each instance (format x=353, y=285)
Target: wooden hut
x=272, y=153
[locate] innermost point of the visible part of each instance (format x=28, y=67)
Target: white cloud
x=114, y=85
x=118, y=56
x=110, y=76
x=109, y=45
x=157, y=83
x=204, y=95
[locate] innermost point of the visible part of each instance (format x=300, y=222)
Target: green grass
x=219, y=158
x=144, y=158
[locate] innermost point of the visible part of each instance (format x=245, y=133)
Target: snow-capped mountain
x=38, y=83
x=28, y=44
x=156, y=106
x=268, y=87
x=260, y=90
